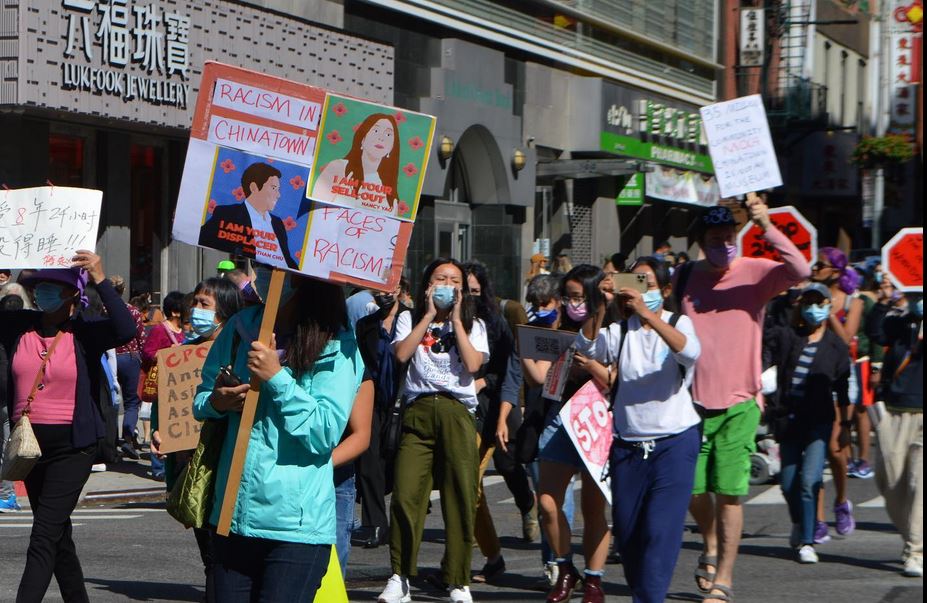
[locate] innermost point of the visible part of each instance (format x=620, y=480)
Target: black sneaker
x=490, y=571
x=129, y=451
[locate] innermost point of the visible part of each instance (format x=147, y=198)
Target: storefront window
x=66, y=160
x=146, y=177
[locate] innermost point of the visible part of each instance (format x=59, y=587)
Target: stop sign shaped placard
x=752, y=244
x=903, y=259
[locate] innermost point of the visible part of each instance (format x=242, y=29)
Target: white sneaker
x=914, y=567
x=461, y=594
x=98, y=468
x=396, y=591
x=551, y=572
x=795, y=536
x=806, y=554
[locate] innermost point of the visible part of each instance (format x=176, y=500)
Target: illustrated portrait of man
x=249, y=228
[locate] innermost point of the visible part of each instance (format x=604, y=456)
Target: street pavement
x=131, y=550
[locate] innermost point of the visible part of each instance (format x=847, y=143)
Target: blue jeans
x=345, y=496
x=803, y=475
x=128, y=368
x=256, y=569
x=569, y=506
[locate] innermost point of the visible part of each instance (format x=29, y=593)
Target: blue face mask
x=262, y=285
x=815, y=315
x=203, y=321
x=545, y=317
x=653, y=300
x=878, y=278
x=48, y=297
x=443, y=296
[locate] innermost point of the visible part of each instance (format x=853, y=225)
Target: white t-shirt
x=263, y=224
x=436, y=365
x=652, y=400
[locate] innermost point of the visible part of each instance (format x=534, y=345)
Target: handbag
x=190, y=500
x=22, y=450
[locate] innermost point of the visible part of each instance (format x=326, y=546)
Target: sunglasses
x=444, y=342
x=821, y=266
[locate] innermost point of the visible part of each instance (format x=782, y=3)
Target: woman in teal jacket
x=283, y=524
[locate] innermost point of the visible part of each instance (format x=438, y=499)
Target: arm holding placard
x=794, y=267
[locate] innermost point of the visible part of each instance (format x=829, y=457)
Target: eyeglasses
x=821, y=266
x=576, y=299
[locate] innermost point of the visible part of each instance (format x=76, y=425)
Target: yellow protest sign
x=333, y=589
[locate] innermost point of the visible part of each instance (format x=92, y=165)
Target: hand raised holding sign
x=758, y=211
x=263, y=361
x=90, y=262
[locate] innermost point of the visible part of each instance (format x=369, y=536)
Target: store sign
x=651, y=151
x=906, y=39
x=752, y=37
x=827, y=168
x=660, y=119
x=683, y=186
x=137, y=52
x=633, y=191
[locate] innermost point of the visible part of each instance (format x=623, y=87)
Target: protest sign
x=903, y=260
x=741, y=147
x=588, y=422
x=538, y=343
x=752, y=243
x=557, y=376
x=332, y=589
x=179, y=374
x=42, y=227
x=371, y=157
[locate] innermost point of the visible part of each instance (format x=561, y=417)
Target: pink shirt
x=54, y=403
x=727, y=310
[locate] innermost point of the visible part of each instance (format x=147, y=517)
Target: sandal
x=727, y=594
x=704, y=574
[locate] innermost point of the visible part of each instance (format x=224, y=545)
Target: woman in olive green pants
x=445, y=347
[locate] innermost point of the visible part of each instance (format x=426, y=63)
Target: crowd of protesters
x=385, y=396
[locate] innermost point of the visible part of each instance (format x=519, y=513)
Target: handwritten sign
x=538, y=343
x=588, y=422
x=42, y=227
x=740, y=145
x=903, y=259
x=752, y=243
x=179, y=373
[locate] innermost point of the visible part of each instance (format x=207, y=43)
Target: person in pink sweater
x=725, y=296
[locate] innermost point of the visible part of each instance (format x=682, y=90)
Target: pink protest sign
x=588, y=422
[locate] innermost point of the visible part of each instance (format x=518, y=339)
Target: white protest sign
x=42, y=227
x=740, y=145
x=588, y=422
x=538, y=343
x=352, y=241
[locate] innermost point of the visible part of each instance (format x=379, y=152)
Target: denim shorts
x=554, y=445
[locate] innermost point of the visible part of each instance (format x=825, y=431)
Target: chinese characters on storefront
x=136, y=51
x=907, y=27
x=752, y=37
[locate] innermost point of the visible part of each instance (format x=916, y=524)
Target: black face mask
x=384, y=301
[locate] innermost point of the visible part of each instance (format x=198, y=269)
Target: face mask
x=577, y=313
x=262, y=285
x=721, y=256
x=443, y=296
x=545, y=317
x=653, y=300
x=385, y=301
x=878, y=277
x=815, y=315
x=203, y=321
x=48, y=297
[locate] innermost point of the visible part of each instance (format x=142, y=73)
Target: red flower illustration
x=356, y=127
x=333, y=137
x=289, y=223
x=400, y=117
x=227, y=166
x=416, y=143
x=410, y=170
x=403, y=208
x=211, y=207
x=297, y=182
x=239, y=193
x=339, y=109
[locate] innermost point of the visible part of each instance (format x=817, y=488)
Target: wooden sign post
x=230, y=497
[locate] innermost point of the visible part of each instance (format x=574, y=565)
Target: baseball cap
x=717, y=216
x=818, y=288
x=225, y=265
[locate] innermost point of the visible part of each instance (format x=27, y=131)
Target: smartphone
x=226, y=378
x=630, y=281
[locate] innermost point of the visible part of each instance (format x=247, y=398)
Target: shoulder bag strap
x=614, y=392
x=41, y=373
x=674, y=319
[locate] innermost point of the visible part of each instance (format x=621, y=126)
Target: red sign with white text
x=752, y=244
x=588, y=422
x=903, y=259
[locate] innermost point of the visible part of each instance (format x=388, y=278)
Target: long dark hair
x=421, y=302
x=589, y=277
x=321, y=316
x=225, y=292
x=486, y=307
x=388, y=169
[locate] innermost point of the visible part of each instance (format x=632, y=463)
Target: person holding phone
x=445, y=347
x=655, y=426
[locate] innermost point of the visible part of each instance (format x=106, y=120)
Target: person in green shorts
x=725, y=296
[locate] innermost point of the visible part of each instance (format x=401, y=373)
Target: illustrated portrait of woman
x=372, y=160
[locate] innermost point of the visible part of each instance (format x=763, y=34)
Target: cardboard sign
x=557, y=376
x=179, y=374
x=42, y=227
x=903, y=260
x=371, y=157
x=538, y=343
x=254, y=146
x=740, y=145
x=752, y=244
x=588, y=422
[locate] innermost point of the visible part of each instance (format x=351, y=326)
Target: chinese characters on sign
x=108, y=39
x=752, y=37
x=906, y=42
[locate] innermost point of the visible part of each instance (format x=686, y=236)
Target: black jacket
x=501, y=351
x=829, y=375
x=91, y=339
x=238, y=214
x=368, y=332
x=903, y=366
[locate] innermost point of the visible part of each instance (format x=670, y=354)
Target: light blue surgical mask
x=878, y=277
x=653, y=300
x=815, y=315
x=203, y=321
x=262, y=285
x=48, y=297
x=443, y=296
